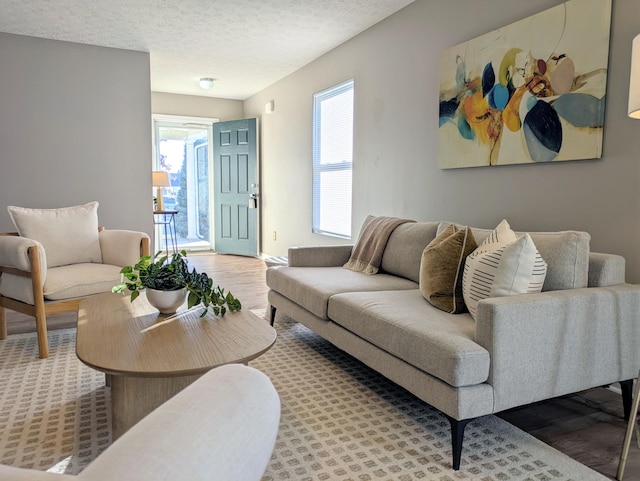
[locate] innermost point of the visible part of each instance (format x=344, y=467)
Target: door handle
x=253, y=201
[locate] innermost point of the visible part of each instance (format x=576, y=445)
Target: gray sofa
x=580, y=332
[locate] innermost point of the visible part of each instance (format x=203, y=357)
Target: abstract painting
x=533, y=91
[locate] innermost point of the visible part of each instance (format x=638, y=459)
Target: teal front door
x=235, y=177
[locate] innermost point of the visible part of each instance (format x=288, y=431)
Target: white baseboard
x=615, y=388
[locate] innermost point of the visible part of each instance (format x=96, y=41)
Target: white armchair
x=58, y=257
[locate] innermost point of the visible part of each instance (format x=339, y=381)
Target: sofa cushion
x=403, y=324
x=510, y=268
x=567, y=256
x=69, y=235
x=79, y=280
x=64, y=282
x=565, y=252
x=311, y=287
x=442, y=266
x=403, y=251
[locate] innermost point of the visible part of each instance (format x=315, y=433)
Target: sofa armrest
x=123, y=247
x=558, y=342
x=223, y=426
x=606, y=269
x=319, y=256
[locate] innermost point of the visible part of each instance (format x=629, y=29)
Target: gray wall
x=195, y=106
x=395, y=68
x=75, y=127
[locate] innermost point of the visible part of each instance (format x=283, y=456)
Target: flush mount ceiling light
x=206, y=83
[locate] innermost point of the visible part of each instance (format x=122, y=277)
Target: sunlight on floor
x=60, y=467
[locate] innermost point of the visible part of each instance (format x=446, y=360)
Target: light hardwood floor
x=587, y=426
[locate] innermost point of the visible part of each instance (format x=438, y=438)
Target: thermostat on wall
x=269, y=107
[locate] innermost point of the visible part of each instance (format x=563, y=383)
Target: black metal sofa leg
x=272, y=315
x=457, y=434
x=627, y=397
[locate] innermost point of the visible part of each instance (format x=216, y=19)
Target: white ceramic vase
x=167, y=302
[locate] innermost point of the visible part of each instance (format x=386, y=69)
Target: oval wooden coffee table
x=144, y=369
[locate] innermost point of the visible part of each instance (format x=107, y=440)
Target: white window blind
x=332, y=160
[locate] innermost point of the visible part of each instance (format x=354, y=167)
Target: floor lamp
x=633, y=112
x=160, y=180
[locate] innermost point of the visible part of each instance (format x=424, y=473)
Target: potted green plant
x=171, y=275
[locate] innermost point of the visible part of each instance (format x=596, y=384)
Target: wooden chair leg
x=38, y=297
x=3, y=323
x=43, y=338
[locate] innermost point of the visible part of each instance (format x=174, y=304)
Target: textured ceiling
x=245, y=44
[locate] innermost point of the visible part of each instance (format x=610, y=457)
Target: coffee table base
x=132, y=398
x=146, y=367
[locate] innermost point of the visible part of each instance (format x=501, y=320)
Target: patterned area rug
x=340, y=419
x=343, y=421
x=54, y=412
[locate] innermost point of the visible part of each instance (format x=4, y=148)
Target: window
x=332, y=160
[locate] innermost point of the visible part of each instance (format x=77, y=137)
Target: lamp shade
x=161, y=179
x=634, y=80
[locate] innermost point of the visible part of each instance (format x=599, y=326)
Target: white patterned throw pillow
x=503, y=265
x=499, y=237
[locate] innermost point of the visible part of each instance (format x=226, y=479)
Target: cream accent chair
x=223, y=427
x=58, y=257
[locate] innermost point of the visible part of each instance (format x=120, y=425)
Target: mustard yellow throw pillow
x=442, y=266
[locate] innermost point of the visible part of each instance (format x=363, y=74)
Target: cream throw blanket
x=367, y=253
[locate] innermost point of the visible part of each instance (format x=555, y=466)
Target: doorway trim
x=186, y=120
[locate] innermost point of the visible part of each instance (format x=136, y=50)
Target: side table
x=166, y=222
